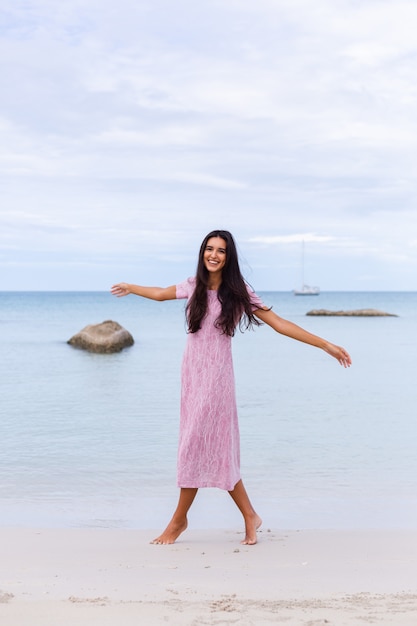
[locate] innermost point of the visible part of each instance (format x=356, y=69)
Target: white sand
x=92, y=577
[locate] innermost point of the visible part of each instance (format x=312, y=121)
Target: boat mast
x=302, y=265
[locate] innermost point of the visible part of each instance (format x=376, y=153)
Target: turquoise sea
x=90, y=440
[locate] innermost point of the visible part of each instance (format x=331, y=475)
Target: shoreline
x=106, y=577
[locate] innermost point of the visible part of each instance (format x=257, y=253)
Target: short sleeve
x=185, y=289
x=256, y=301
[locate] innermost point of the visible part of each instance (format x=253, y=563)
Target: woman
x=219, y=300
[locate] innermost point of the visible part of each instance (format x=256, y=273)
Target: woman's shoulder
x=186, y=287
x=255, y=300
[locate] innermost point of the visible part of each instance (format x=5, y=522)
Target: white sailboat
x=306, y=290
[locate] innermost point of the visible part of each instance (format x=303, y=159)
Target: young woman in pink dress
x=219, y=301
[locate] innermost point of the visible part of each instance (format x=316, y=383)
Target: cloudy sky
x=130, y=129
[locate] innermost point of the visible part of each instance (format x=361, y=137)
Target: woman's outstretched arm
x=284, y=327
x=153, y=293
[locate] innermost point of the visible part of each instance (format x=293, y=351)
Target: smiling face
x=215, y=255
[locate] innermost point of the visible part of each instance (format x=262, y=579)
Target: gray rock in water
x=354, y=313
x=104, y=338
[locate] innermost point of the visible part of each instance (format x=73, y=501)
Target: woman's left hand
x=339, y=353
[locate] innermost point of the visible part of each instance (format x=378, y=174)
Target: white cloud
x=295, y=238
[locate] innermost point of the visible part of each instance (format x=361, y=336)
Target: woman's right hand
x=120, y=289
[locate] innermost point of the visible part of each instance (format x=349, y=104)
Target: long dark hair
x=232, y=293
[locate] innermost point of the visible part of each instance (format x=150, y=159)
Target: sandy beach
x=302, y=578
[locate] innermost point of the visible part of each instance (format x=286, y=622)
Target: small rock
x=104, y=338
x=354, y=313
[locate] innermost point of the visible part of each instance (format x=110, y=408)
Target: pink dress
x=209, y=447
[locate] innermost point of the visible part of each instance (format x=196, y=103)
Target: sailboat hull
x=307, y=291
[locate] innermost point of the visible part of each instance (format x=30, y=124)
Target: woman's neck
x=214, y=283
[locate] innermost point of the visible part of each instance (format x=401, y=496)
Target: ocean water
x=90, y=440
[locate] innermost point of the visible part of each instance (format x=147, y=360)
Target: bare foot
x=251, y=526
x=171, y=533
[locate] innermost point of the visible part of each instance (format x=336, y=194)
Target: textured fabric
x=209, y=448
